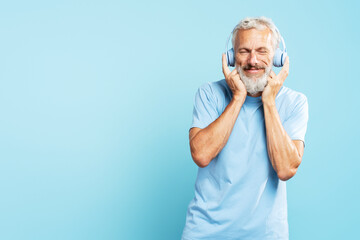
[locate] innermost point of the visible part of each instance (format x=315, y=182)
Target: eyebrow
x=258, y=49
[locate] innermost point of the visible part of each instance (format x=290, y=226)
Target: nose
x=252, y=60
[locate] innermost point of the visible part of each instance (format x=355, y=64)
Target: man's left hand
x=274, y=83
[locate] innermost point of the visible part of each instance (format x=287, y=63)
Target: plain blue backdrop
x=96, y=102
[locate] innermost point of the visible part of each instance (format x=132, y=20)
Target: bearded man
x=247, y=137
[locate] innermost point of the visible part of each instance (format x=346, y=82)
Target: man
x=247, y=137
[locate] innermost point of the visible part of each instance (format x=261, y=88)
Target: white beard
x=257, y=85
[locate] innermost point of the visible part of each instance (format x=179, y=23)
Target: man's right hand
x=233, y=81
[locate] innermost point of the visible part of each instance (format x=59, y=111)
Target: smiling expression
x=254, y=51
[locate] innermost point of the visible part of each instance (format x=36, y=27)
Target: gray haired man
x=247, y=137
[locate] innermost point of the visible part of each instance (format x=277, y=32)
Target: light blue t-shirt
x=239, y=195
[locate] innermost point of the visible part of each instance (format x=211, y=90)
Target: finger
x=272, y=74
x=285, y=69
x=234, y=72
x=225, y=67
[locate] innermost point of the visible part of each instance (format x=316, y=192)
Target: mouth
x=253, y=70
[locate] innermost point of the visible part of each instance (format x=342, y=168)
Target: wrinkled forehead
x=253, y=38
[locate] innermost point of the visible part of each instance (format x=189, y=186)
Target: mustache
x=256, y=66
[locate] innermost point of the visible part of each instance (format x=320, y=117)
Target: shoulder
x=291, y=103
x=217, y=92
x=216, y=89
x=291, y=96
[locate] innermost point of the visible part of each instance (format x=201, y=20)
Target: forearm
x=283, y=153
x=209, y=141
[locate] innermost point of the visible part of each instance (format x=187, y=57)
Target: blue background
x=96, y=101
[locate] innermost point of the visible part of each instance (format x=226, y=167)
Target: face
x=253, y=52
x=253, y=58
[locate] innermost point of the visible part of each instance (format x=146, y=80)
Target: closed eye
x=262, y=50
x=243, y=50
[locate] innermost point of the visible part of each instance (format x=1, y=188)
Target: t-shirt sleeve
x=205, y=111
x=296, y=124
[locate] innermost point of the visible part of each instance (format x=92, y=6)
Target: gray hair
x=259, y=23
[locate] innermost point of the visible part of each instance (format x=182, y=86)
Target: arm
x=205, y=144
x=285, y=154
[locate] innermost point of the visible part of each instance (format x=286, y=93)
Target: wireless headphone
x=278, y=60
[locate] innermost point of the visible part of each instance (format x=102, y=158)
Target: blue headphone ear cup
x=278, y=60
x=283, y=57
x=230, y=57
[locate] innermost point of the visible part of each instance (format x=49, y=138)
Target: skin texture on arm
x=285, y=154
x=205, y=144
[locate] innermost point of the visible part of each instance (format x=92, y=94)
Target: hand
x=233, y=81
x=274, y=83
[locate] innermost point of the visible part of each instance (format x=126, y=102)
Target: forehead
x=253, y=38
